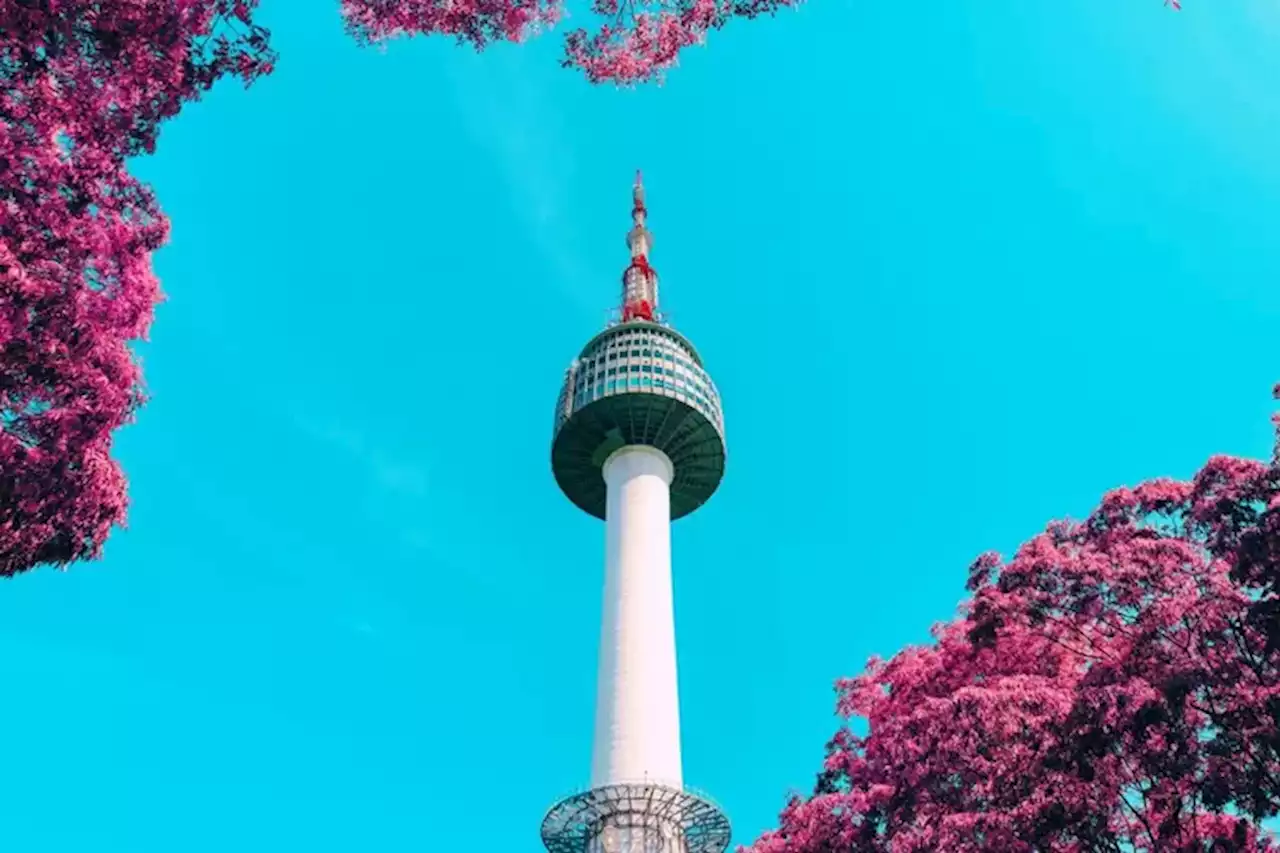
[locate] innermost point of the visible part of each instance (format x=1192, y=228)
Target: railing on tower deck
x=613, y=317
x=573, y=824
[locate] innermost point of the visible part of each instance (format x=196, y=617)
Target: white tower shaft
x=637, y=736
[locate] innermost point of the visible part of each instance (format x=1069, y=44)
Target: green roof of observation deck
x=638, y=383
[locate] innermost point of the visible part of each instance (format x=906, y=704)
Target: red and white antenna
x=640, y=280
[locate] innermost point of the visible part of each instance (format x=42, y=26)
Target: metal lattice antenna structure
x=640, y=281
x=638, y=442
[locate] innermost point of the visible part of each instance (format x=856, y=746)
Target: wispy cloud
x=392, y=474
x=397, y=493
x=510, y=116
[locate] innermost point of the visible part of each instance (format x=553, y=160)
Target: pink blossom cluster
x=637, y=41
x=1115, y=686
x=83, y=85
x=476, y=22
x=641, y=43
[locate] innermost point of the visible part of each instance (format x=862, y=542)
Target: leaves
x=1114, y=686
x=635, y=42
x=86, y=84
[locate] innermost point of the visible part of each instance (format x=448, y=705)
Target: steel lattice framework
x=693, y=823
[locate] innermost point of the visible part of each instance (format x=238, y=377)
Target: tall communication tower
x=638, y=442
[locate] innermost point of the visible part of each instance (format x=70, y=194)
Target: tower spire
x=640, y=280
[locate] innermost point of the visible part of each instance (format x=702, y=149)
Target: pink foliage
x=476, y=22
x=636, y=42
x=1114, y=686
x=85, y=85
x=641, y=42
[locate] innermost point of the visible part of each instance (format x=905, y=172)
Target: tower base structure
x=636, y=818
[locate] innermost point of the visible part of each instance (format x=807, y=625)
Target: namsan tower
x=638, y=442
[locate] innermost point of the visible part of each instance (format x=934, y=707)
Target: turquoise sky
x=958, y=268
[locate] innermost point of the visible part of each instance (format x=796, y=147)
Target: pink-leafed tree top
x=83, y=85
x=633, y=41
x=1115, y=686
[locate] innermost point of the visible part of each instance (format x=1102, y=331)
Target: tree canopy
x=84, y=85
x=1115, y=686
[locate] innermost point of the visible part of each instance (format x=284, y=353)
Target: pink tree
x=635, y=42
x=85, y=84
x=1113, y=687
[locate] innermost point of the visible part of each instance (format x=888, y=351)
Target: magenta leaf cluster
x=635, y=42
x=638, y=42
x=475, y=22
x=84, y=84
x=1115, y=686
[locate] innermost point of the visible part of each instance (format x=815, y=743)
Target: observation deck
x=639, y=382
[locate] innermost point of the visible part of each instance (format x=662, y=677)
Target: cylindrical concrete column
x=637, y=736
